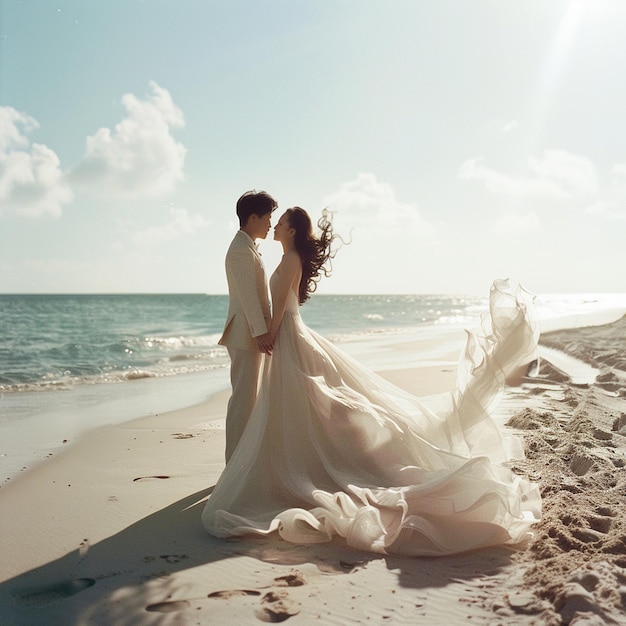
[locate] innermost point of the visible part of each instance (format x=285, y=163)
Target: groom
x=246, y=335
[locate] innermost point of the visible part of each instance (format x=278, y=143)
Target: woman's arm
x=289, y=271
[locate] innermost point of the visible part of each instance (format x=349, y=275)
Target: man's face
x=263, y=225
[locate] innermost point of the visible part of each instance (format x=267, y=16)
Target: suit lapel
x=248, y=242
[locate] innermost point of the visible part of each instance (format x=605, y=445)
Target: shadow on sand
x=117, y=580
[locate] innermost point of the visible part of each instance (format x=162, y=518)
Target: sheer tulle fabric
x=333, y=449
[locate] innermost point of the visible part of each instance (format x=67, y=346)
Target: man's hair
x=257, y=202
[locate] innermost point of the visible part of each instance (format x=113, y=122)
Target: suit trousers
x=245, y=370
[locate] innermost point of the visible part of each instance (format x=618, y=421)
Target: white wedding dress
x=333, y=449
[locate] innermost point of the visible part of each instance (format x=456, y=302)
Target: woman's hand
x=265, y=343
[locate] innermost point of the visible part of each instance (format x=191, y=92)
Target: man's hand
x=265, y=343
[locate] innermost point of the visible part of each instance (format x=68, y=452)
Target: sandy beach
x=108, y=531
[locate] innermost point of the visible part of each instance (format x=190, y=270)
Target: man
x=246, y=333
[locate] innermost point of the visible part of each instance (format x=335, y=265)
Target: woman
x=333, y=449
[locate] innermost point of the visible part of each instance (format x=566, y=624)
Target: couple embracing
x=251, y=329
x=318, y=446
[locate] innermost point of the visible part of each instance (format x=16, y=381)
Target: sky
x=455, y=141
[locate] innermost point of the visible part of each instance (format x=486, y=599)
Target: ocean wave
x=180, y=341
x=456, y=320
x=61, y=383
x=373, y=333
x=138, y=374
x=59, y=342
x=210, y=355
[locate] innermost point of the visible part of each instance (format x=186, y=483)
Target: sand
x=108, y=532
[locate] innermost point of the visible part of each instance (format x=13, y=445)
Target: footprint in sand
x=609, y=382
x=290, y=580
x=619, y=424
x=581, y=464
x=64, y=589
x=174, y=558
x=171, y=606
x=149, y=478
x=574, y=599
x=351, y=566
x=275, y=607
x=595, y=527
x=602, y=521
x=168, y=607
x=231, y=593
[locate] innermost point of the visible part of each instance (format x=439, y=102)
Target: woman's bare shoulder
x=290, y=265
x=291, y=257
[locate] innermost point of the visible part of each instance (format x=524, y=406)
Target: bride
x=333, y=449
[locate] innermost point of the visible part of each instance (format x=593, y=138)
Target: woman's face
x=283, y=231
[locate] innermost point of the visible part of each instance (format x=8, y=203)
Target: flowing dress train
x=333, y=449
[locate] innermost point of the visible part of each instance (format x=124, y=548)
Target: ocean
x=69, y=363
x=59, y=341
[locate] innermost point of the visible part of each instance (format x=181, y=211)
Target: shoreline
x=36, y=425
x=56, y=419
x=61, y=417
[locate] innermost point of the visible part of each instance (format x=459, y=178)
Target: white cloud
x=576, y=174
x=514, y=223
x=502, y=127
x=390, y=242
x=506, y=185
x=140, y=157
x=365, y=201
x=181, y=223
x=619, y=175
x=557, y=175
x=31, y=181
x=608, y=209
x=10, y=134
x=508, y=127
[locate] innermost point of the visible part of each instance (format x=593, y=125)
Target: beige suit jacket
x=248, y=303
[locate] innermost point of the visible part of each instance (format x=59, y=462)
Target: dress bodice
x=292, y=305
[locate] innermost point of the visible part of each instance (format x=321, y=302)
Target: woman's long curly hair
x=315, y=252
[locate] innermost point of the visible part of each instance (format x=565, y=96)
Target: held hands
x=265, y=343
